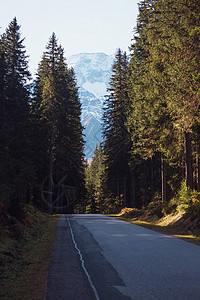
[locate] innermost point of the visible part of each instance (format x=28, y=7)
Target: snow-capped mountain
x=93, y=71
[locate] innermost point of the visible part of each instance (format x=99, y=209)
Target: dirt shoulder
x=177, y=224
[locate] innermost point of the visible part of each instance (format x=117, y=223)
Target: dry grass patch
x=26, y=256
x=177, y=224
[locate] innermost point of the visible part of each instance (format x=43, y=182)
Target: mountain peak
x=93, y=72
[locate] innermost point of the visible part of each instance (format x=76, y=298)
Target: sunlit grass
x=164, y=225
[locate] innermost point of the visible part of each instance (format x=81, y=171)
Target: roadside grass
x=177, y=224
x=25, y=255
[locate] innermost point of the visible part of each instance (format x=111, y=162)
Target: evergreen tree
x=163, y=84
x=4, y=156
x=117, y=142
x=57, y=107
x=183, y=97
x=143, y=133
x=14, y=116
x=94, y=179
x=174, y=68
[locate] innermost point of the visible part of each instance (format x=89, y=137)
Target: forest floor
x=178, y=224
x=25, y=254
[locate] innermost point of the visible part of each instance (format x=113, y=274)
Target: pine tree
x=58, y=109
x=163, y=83
x=94, y=179
x=143, y=132
x=15, y=115
x=176, y=53
x=183, y=97
x=117, y=142
x=4, y=156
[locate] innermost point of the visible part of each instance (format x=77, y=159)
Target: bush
x=187, y=200
x=183, y=197
x=156, y=208
x=193, y=208
x=169, y=208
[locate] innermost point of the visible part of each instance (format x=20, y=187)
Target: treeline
x=151, y=123
x=41, y=153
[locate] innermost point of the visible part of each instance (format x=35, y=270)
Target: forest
x=146, y=170
x=41, y=132
x=150, y=154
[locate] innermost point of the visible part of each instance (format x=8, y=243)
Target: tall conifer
x=58, y=109
x=15, y=114
x=117, y=142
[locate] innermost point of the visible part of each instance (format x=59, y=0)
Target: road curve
x=98, y=257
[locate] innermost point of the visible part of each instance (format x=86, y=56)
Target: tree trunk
x=133, y=190
x=58, y=207
x=188, y=161
x=28, y=198
x=197, y=167
x=164, y=184
x=50, y=175
x=152, y=179
x=61, y=200
x=198, y=174
x=118, y=195
x=125, y=196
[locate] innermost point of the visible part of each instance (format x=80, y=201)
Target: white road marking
x=82, y=262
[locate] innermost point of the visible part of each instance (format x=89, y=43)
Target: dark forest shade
x=151, y=122
x=16, y=165
x=164, y=85
x=58, y=111
x=41, y=133
x=117, y=139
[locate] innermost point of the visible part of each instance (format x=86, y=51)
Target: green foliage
x=116, y=138
x=112, y=204
x=99, y=199
x=151, y=116
x=94, y=178
x=187, y=200
x=37, y=128
x=182, y=198
x=162, y=86
x=16, y=170
x=194, y=206
x=156, y=208
x=57, y=110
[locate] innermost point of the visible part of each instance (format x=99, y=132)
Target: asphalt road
x=98, y=257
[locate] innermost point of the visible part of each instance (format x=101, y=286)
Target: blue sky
x=81, y=26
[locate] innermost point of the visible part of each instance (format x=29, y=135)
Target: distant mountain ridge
x=93, y=72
